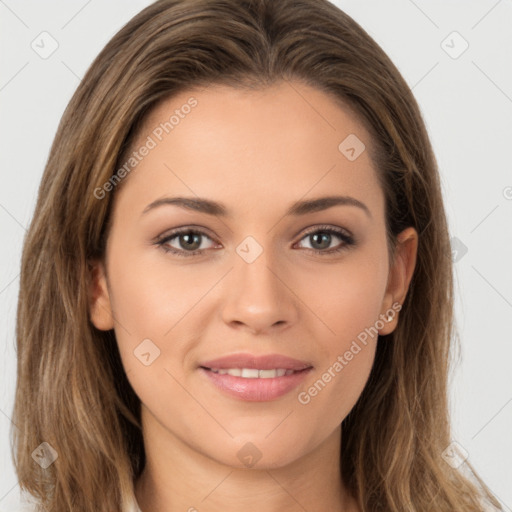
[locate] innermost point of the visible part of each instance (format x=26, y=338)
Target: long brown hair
x=72, y=392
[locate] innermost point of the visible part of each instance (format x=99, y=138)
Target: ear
x=400, y=276
x=99, y=300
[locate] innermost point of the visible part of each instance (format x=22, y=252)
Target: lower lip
x=256, y=390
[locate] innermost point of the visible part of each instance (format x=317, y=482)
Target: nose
x=258, y=297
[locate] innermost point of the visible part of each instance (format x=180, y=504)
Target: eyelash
x=347, y=241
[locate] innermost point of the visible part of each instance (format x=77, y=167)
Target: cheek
x=334, y=391
x=348, y=297
x=151, y=295
x=350, y=309
x=348, y=302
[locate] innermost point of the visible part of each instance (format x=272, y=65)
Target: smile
x=252, y=373
x=254, y=385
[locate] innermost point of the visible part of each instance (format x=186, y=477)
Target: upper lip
x=263, y=362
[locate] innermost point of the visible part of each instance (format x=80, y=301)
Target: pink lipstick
x=256, y=378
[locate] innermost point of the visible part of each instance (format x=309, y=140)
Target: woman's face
x=253, y=167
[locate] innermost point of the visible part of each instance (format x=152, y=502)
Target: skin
x=257, y=152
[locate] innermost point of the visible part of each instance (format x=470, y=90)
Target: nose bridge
x=257, y=295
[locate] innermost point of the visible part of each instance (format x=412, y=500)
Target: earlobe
x=400, y=277
x=99, y=300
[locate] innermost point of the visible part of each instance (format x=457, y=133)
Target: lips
x=250, y=361
x=255, y=378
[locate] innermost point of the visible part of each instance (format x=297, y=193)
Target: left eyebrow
x=323, y=203
x=296, y=209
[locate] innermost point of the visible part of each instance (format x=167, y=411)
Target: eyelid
x=191, y=228
x=325, y=227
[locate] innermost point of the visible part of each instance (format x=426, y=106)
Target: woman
x=185, y=349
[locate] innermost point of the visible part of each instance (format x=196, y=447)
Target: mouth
x=255, y=378
x=254, y=373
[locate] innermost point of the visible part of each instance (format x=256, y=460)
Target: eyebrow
x=296, y=209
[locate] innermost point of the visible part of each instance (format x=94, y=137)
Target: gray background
x=466, y=100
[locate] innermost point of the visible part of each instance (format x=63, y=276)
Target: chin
x=256, y=452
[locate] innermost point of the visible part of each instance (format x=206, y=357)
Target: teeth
x=268, y=374
x=249, y=373
x=253, y=373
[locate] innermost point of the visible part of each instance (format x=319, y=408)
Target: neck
x=177, y=477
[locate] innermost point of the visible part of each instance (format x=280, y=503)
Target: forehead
x=283, y=103
x=288, y=139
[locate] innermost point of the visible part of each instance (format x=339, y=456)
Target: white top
x=134, y=507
